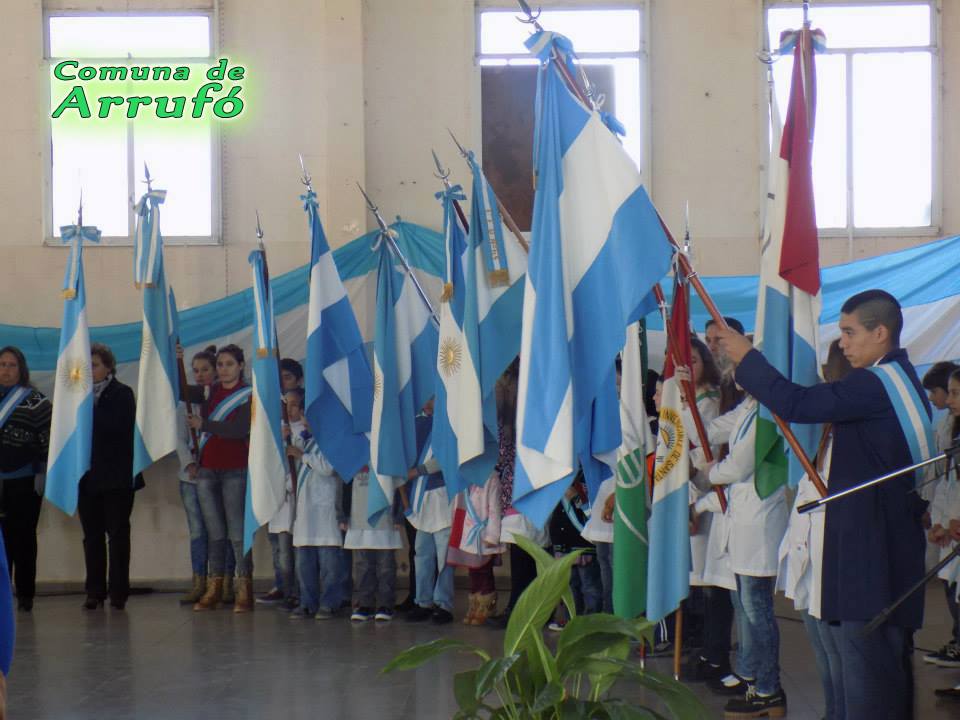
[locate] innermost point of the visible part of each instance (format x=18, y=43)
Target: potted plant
x=531, y=682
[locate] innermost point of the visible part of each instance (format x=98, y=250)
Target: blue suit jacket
x=874, y=541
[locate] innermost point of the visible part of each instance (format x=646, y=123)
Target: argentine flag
x=597, y=249
x=71, y=428
x=339, y=381
x=267, y=460
x=480, y=316
x=158, y=387
x=789, y=298
x=404, y=362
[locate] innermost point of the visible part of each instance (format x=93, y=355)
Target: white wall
x=364, y=89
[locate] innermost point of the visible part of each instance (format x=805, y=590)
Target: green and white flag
x=630, y=542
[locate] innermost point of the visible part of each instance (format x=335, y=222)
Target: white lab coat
x=756, y=526
x=801, y=551
x=282, y=522
x=385, y=535
x=317, y=521
x=597, y=529
x=944, y=508
x=709, y=407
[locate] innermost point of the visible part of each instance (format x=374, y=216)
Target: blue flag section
x=339, y=380
x=71, y=428
x=404, y=362
x=158, y=386
x=597, y=249
x=266, y=460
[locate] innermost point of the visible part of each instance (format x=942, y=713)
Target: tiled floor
x=159, y=661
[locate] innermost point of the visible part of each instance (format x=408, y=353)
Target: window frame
x=642, y=55
x=134, y=186
x=852, y=231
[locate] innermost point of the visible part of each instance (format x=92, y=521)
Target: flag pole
x=185, y=394
x=444, y=177
x=677, y=640
x=284, y=416
x=385, y=233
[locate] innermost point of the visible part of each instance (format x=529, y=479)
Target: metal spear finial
x=305, y=178
x=80, y=210
x=686, y=227
x=259, y=230
x=440, y=174
x=460, y=147
x=149, y=180
x=531, y=16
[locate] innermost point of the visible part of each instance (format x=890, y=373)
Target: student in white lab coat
x=756, y=527
x=801, y=561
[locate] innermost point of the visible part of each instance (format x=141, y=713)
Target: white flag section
x=266, y=461
x=155, y=433
x=71, y=427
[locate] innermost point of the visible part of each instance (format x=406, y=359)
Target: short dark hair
x=293, y=367
x=874, y=308
x=106, y=356
x=298, y=392
x=24, y=371
x=936, y=377
x=732, y=323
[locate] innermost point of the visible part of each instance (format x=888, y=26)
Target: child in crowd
x=566, y=525
x=284, y=588
x=316, y=530
x=375, y=545
x=599, y=531
x=428, y=510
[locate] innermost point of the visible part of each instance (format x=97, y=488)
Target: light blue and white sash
x=475, y=536
x=423, y=484
x=572, y=514
x=11, y=402
x=910, y=409
x=310, y=446
x=224, y=408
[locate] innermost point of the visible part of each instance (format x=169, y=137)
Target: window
x=873, y=162
x=611, y=45
x=105, y=157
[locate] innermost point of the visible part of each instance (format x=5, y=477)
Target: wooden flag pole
x=185, y=394
x=677, y=641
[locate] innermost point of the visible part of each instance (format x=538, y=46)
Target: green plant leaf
x=545, y=560
x=570, y=657
x=524, y=680
x=681, y=702
x=602, y=682
x=417, y=655
x=463, y=691
x=538, y=601
x=584, y=625
x=548, y=697
x=491, y=673
x=621, y=710
x=540, y=657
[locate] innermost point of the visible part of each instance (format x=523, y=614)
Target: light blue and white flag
x=71, y=428
x=339, y=381
x=597, y=248
x=267, y=465
x=404, y=363
x=158, y=386
x=480, y=322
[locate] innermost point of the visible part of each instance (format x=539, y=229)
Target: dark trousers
x=950, y=588
x=523, y=571
x=106, y=515
x=717, y=624
x=411, y=558
x=481, y=579
x=877, y=671
x=20, y=507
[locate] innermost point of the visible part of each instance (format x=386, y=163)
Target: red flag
x=679, y=330
x=800, y=255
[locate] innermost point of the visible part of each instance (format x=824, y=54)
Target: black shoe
x=118, y=603
x=754, y=705
x=289, y=604
x=499, y=622
x=441, y=616
x=702, y=670
x=407, y=605
x=726, y=686
x=952, y=693
x=92, y=603
x=25, y=604
x=418, y=614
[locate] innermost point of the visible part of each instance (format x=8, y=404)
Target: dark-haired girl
x=105, y=501
x=24, y=437
x=224, y=424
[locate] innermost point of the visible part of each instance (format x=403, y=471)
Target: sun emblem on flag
x=451, y=356
x=670, y=447
x=377, y=384
x=75, y=375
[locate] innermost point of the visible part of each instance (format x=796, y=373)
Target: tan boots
x=471, y=609
x=486, y=605
x=228, y=592
x=197, y=591
x=213, y=597
x=244, y=601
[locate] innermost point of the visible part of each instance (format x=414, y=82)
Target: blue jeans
x=281, y=545
x=222, y=495
x=586, y=586
x=877, y=671
x=434, y=576
x=198, y=531
x=319, y=570
x=605, y=560
x=377, y=586
x=827, y=657
x=346, y=575
x=759, y=655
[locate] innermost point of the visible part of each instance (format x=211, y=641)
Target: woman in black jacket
x=106, y=491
